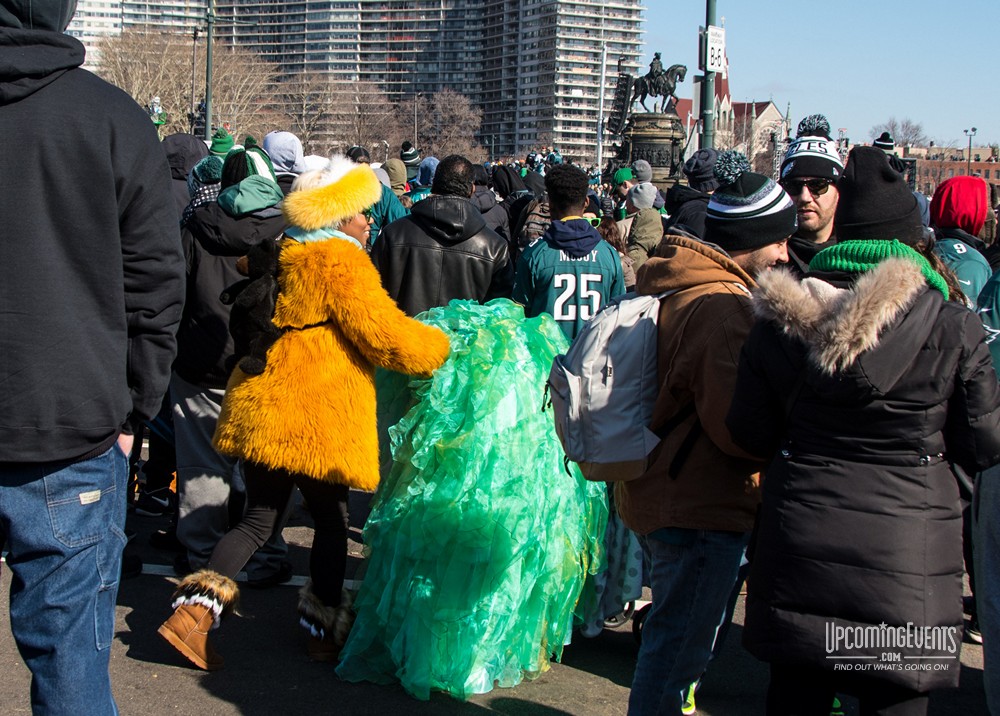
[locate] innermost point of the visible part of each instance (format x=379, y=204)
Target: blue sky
x=858, y=62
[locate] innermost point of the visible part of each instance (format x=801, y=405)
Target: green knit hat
x=860, y=255
x=222, y=142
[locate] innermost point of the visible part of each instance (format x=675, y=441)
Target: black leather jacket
x=442, y=250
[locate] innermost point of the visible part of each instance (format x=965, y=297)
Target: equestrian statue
x=657, y=83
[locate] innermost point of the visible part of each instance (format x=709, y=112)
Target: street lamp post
x=415, y=98
x=970, y=133
x=210, y=24
x=194, y=66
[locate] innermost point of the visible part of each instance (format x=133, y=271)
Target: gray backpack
x=603, y=390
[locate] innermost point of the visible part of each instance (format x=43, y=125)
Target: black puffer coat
x=441, y=251
x=860, y=524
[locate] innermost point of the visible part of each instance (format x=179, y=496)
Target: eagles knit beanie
x=812, y=153
x=208, y=170
x=700, y=170
x=748, y=210
x=409, y=154
x=250, y=160
x=885, y=143
x=875, y=202
x=222, y=142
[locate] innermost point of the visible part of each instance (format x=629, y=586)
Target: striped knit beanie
x=747, y=211
x=812, y=153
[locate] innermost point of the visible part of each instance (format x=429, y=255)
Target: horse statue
x=662, y=85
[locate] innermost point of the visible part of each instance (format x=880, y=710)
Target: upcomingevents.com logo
x=883, y=647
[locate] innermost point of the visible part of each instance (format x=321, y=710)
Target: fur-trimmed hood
x=840, y=326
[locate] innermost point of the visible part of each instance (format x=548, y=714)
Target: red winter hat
x=961, y=203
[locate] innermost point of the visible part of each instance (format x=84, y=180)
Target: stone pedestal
x=659, y=139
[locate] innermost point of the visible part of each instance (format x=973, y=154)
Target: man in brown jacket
x=695, y=504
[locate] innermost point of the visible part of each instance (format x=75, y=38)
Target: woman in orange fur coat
x=308, y=419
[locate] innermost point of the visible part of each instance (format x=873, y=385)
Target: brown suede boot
x=201, y=600
x=328, y=627
x=187, y=631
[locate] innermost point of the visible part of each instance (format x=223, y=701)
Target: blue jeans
x=986, y=541
x=692, y=578
x=64, y=526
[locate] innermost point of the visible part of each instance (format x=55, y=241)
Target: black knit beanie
x=875, y=202
x=748, y=210
x=885, y=142
x=812, y=153
x=700, y=170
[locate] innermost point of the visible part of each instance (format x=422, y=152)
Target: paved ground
x=267, y=671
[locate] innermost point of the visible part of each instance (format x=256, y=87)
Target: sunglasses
x=595, y=221
x=817, y=187
x=368, y=213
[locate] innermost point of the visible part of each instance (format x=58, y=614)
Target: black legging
x=268, y=492
x=809, y=691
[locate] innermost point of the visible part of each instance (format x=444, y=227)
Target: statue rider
x=655, y=67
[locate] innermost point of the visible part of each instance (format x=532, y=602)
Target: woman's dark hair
x=925, y=247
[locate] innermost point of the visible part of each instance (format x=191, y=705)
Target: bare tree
x=364, y=117
x=147, y=65
x=905, y=133
x=446, y=123
x=308, y=103
x=160, y=64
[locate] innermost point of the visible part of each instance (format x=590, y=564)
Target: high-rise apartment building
x=533, y=66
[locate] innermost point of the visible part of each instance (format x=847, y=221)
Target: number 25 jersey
x=570, y=273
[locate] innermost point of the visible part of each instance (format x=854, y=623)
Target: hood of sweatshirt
x=682, y=263
x=183, y=152
x=679, y=194
x=483, y=199
x=32, y=59
x=576, y=237
x=448, y=219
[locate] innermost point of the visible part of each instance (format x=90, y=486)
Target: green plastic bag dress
x=479, y=539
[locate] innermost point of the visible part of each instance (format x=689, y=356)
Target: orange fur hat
x=323, y=198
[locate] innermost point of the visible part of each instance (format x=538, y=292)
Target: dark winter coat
x=860, y=524
x=203, y=340
x=687, y=208
x=441, y=251
x=91, y=270
x=493, y=213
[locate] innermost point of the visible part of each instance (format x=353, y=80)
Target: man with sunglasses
x=809, y=174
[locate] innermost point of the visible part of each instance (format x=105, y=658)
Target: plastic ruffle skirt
x=480, y=539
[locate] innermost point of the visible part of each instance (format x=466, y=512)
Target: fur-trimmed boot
x=201, y=600
x=328, y=627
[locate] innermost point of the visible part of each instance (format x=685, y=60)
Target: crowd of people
x=827, y=413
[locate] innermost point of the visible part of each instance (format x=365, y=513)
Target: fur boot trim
x=327, y=196
x=208, y=589
x=323, y=621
